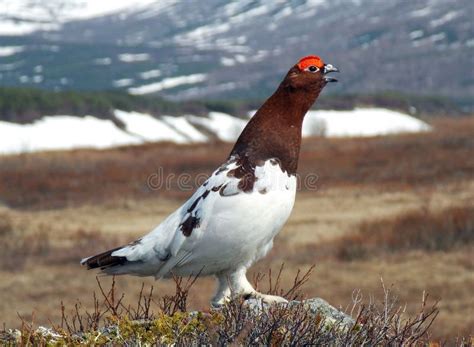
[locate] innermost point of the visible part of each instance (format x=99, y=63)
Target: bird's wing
x=172, y=242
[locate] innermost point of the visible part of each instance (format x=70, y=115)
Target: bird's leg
x=223, y=292
x=241, y=286
x=237, y=284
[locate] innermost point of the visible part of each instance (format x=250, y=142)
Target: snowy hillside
x=236, y=48
x=69, y=132
x=20, y=17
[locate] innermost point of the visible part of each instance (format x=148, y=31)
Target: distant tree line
x=24, y=105
x=417, y=105
x=424, y=106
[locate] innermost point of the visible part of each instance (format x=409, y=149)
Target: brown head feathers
x=275, y=130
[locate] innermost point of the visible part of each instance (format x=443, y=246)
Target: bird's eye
x=313, y=68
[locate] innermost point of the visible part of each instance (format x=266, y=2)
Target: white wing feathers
x=172, y=242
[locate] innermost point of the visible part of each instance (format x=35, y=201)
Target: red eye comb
x=310, y=60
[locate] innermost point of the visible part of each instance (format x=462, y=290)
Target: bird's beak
x=327, y=69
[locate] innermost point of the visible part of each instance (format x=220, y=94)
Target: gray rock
x=330, y=313
x=316, y=306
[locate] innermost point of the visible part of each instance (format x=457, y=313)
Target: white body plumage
x=234, y=229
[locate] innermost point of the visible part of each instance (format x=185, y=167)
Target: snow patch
x=167, y=83
x=227, y=61
x=416, y=34
x=285, y=12
x=37, y=79
x=62, y=133
x=38, y=69
x=94, y=8
x=124, y=82
x=224, y=126
x=444, y=19
x=422, y=12
x=183, y=126
x=148, y=128
x=133, y=57
x=10, y=50
x=361, y=122
x=26, y=17
x=12, y=27
x=437, y=37
x=203, y=32
x=146, y=75
x=70, y=132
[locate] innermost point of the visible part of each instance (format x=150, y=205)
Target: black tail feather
x=104, y=260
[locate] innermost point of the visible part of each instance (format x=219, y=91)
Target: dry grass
x=386, y=207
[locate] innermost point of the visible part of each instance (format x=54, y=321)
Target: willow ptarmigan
x=231, y=220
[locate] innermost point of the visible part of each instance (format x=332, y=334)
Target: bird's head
x=310, y=73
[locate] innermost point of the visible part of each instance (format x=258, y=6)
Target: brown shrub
x=416, y=230
x=6, y=226
x=421, y=229
x=58, y=179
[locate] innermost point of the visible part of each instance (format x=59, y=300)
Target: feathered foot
x=236, y=284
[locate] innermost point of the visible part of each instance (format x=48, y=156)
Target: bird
x=232, y=218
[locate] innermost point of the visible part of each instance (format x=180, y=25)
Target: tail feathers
x=104, y=260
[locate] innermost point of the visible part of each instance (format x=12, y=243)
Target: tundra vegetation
x=167, y=321
x=396, y=207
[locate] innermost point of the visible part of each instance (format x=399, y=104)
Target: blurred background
x=100, y=101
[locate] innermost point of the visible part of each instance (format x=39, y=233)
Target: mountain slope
x=241, y=48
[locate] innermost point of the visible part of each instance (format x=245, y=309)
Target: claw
x=270, y=299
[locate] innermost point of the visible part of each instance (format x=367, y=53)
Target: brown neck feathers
x=275, y=130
